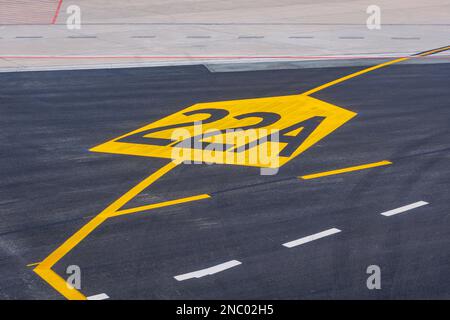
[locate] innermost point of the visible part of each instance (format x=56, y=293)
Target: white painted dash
x=208, y=271
x=101, y=296
x=404, y=208
x=310, y=238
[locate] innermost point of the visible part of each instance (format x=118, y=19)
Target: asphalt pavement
x=51, y=185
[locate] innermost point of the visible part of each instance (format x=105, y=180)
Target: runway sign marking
x=300, y=121
x=208, y=271
x=44, y=268
x=404, y=208
x=345, y=170
x=310, y=238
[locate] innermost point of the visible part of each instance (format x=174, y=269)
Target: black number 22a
x=293, y=142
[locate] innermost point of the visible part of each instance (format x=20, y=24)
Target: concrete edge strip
x=216, y=66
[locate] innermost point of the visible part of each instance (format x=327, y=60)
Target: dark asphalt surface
x=50, y=185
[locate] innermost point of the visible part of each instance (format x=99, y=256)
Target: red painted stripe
x=55, y=16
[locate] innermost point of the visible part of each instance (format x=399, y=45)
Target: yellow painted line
x=32, y=264
x=291, y=111
x=378, y=66
x=44, y=268
x=344, y=170
x=116, y=205
x=70, y=243
x=161, y=204
x=59, y=284
x=353, y=75
x=427, y=53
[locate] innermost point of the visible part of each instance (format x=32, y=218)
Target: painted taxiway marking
x=404, y=208
x=430, y=52
x=310, y=238
x=299, y=122
x=353, y=75
x=378, y=66
x=101, y=296
x=208, y=271
x=161, y=205
x=44, y=269
x=345, y=170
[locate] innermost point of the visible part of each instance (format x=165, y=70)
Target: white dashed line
x=404, y=208
x=310, y=238
x=101, y=296
x=208, y=271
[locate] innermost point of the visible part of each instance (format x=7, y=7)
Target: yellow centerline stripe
x=44, y=268
x=427, y=53
x=70, y=243
x=353, y=75
x=161, y=204
x=378, y=66
x=344, y=170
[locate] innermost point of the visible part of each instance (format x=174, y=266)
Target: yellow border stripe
x=161, y=204
x=344, y=170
